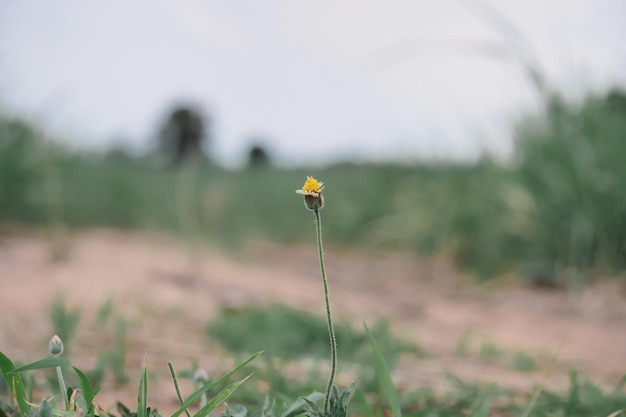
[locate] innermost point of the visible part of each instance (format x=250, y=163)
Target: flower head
x=312, y=192
x=311, y=187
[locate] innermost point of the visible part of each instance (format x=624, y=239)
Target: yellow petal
x=312, y=185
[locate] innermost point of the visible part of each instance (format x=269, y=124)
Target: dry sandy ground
x=168, y=291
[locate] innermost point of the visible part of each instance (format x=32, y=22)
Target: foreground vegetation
x=33, y=389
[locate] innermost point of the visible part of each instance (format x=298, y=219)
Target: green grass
x=490, y=352
x=288, y=333
x=554, y=215
x=462, y=398
x=25, y=389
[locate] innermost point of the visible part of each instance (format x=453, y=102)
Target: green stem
x=331, y=329
x=63, y=388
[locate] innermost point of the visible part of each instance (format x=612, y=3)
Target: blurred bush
x=572, y=164
x=19, y=170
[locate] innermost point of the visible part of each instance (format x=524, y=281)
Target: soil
x=168, y=290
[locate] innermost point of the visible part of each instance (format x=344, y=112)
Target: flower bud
x=312, y=192
x=200, y=377
x=55, y=346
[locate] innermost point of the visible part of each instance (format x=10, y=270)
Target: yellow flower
x=312, y=192
x=311, y=187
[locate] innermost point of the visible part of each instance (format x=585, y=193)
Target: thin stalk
x=63, y=388
x=331, y=329
x=176, y=387
x=204, y=400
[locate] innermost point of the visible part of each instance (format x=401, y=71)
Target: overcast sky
x=319, y=79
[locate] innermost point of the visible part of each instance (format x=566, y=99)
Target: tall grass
x=572, y=165
x=555, y=214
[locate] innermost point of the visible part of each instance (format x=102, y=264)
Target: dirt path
x=169, y=292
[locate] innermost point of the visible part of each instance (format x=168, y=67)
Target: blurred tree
x=258, y=157
x=183, y=134
x=572, y=162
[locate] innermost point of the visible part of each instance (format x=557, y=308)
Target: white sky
x=320, y=79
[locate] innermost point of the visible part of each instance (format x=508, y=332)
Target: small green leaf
x=88, y=391
x=123, y=410
x=347, y=394
x=196, y=394
x=16, y=386
x=45, y=409
x=220, y=397
x=297, y=406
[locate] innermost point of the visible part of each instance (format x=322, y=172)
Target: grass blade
x=176, y=387
x=193, y=397
x=142, y=396
x=43, y=364
x=384, y=375
x=219, y=398
x=88, y=391
x=13, y=380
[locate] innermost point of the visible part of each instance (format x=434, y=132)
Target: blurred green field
x=555, y=214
